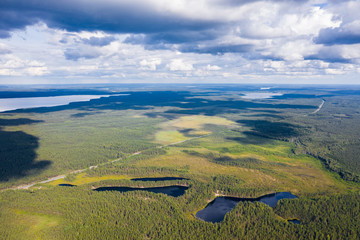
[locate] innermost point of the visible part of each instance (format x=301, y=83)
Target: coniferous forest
x=209, y=141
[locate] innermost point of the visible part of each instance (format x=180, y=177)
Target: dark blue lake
x=66, y=185
x=295, y=221
x=156, y=179
x=173, y=191
x=217, y=209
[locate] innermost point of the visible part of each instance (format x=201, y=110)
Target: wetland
x=216, y=210
x=174, y=191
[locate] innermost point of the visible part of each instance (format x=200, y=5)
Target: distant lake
x=173, y=191
x=7, y=104
x=156, y=179
x=295, y=221
x=66, y=185
x=260, y=95
x=217, y=209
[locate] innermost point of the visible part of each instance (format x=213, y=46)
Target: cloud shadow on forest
x=272, y=130
x=265, y=131
x=250, y=138
x=18, y=151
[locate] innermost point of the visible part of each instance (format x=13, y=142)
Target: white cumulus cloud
x=179, y=65
x=150, y=64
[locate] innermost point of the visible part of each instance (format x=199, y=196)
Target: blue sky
x=182, y=41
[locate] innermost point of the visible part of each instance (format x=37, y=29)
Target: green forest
x=220, y=143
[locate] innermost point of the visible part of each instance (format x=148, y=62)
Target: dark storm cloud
x=98, y=41
x=150, y=41
x=333, y=36
x=188, y=42
x=219, y=49
x=258, y=56
x=4, y=51
x=76, y=54
x=329, y=59
x=152, y=28
x=235, y=3
x=4, y=34
x=114, y=17
x=329, y=55
x=11, y=19
x=173, y=37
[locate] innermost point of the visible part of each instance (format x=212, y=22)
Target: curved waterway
x=66, y=185
x=216, y=210
x=157, y=179
x=295, y=221
x=174, y=191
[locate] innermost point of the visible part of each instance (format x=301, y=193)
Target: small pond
x=216, y=210
x=173, y=191
x=66, y=185
x=295, y=221
x=156, y=179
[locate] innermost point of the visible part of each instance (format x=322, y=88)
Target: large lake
x=157, y=179
x=217, y=209
x=173, y=191
x=260, y=95
x=7, y=104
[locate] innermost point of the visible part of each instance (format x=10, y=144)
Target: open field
x=266, y=168
x=185, y=127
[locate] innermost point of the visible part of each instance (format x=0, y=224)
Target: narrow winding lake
x=156, y=179
x=174, y=191
x=66, y=185
x=217, y=209
x=295, y=221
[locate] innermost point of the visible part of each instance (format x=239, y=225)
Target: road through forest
x=27, y=186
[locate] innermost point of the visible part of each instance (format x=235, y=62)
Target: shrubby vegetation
x=80, y=213
x=334, y=136
x=275, y=145
x=59, y=144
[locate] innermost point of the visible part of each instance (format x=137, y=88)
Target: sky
x=179, y=41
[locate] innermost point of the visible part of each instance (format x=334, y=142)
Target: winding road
x=320, y=106
x=27, y=186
